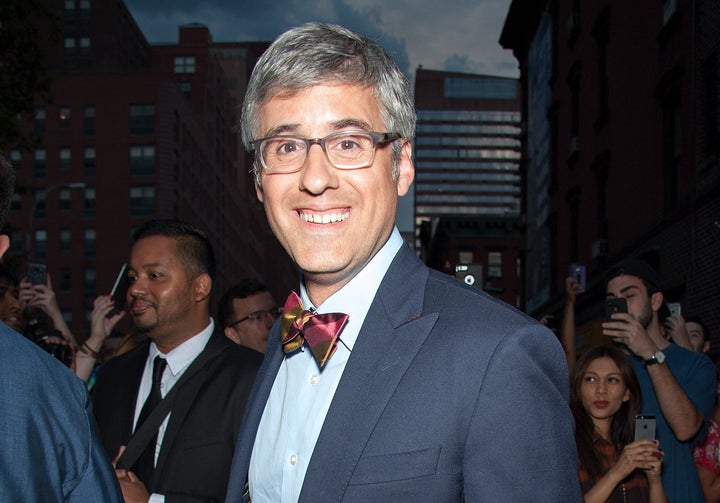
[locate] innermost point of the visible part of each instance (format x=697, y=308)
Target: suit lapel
x=393, y=331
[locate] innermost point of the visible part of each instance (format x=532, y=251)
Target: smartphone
x=579, y=273
x=644, y=427
x=37, y=274
x=615, y=305
x=119, y=291
x=675, y=309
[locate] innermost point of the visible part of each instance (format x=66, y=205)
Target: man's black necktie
x=145, y=465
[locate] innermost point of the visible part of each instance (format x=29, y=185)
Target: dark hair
x=244, y=288
x=193, y=247
x=7, y=186
x=9, y=274
x=622, y=426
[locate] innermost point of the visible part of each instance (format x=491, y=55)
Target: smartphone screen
x=579, y=273
x=119, y=291
x=615, y=305
x=644, y=427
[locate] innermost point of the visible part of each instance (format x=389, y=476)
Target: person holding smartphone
x=678, y=386
x=605, y=398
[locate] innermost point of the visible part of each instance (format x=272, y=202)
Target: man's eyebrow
x=281, y=129
x=630, y=287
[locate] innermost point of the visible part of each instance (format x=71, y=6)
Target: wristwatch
x=657, y=357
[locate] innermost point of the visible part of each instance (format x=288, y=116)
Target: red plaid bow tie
x=320, y=331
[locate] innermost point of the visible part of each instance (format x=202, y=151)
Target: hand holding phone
x=579, y=273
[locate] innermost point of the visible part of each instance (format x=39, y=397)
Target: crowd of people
x=379, y=380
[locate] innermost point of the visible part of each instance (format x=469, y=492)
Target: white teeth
x=325, y=218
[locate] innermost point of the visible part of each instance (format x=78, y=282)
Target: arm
x=710, y=484
x=641, y=455
x=675, y=330
x=684, y=418
x=527, y=365
x=100, y=328
x=567, y=329
x=43, y=297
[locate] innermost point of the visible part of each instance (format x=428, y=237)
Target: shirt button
x=314, y=379
x=293, y=459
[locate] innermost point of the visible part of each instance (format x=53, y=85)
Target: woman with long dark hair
x=604, y=398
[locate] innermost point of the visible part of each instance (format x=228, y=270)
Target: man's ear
x=4, y=244
x=406, y=170
x=202, y=286
x=231, y=334
x=259, y=190
x=656, y=301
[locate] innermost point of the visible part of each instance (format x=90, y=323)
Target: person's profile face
x=160, y=293
x=696, y=336
x=331, y=221
x=257, y=313
x=10, y=312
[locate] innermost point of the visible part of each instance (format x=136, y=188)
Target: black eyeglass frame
x=274, y=312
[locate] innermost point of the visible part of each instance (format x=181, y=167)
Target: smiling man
x=425, y=394
x=187, y=456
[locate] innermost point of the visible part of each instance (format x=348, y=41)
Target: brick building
x=134, y=132
x=467, y=178
x=621, y=152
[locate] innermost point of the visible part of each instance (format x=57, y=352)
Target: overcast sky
x=451, y=35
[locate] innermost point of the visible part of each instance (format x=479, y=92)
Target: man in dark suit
x=50, y=450
x=171, y=270
x=434, y=390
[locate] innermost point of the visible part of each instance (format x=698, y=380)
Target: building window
x=65, y=159
x=466, y=257
x=65, y=279
x=142, y=119
x=142, y=160
x=185, y=64
x=142, y=201
x=16, y=202
x=16, y=158
x=84, y=46
x=39, y=122
x=90, y=243
x=40, y=163
x=185, y=87
x=89, y=120
x=494, y=264
x=90, y=283
x=40, y=244
x=40, y=205
x=69, y=4
x=90, y=202
x=65, y=240
x=89, y=162
x=64, y=118
x=65, y=196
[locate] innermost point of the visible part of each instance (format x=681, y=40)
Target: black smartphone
x=644, y=427
x=37, y=274
x=119, y=291
x=615, y=305
x=579, y=273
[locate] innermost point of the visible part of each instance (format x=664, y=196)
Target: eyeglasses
x=258, y=315
x=344, y=149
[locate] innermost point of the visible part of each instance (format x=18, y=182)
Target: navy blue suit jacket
x=449, y=395
x=50, y=450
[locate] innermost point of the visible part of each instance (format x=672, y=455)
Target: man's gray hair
x=319, y=53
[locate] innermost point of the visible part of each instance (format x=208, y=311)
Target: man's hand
x=133, y=489
x=625, y=329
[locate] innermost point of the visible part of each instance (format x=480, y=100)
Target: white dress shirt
x=302, y=392
x=178, y=360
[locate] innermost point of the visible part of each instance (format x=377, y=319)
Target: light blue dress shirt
x=302, y=392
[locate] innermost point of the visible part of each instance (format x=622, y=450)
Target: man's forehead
x=624, y=282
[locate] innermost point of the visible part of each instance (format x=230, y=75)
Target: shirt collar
x=179, y=358
x=355, y=297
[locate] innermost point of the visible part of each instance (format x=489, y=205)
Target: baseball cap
x=637, y=268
